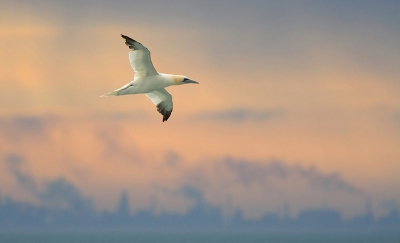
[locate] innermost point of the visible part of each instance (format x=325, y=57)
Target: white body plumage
x=146, y=84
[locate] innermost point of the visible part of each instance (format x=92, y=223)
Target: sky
x=298, y=103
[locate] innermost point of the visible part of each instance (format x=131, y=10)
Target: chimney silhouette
x=123, y=206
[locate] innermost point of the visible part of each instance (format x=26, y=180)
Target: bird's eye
x=185, y=79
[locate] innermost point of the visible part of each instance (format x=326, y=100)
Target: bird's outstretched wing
x=140, y=59
x=163, y=100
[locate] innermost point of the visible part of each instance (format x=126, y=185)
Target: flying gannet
x=148, y=81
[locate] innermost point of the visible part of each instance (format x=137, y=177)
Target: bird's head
x=179, y=79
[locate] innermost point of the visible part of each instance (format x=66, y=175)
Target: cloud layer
x=239, y=115
x=254, y=187
x=57, y=194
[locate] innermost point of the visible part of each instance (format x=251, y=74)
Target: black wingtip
x=166, y=114
x=127, y=38
x=130, y=42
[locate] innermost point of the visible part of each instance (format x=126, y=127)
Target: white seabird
x=148, y=81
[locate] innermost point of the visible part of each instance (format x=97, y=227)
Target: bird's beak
x=189, y=81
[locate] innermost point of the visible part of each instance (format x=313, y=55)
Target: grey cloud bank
x=239, y=115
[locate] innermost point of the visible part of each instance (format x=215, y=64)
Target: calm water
x=197, y=238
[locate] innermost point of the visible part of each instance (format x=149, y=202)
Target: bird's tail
x=113, y=93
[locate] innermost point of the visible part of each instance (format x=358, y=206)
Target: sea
x=198, y=238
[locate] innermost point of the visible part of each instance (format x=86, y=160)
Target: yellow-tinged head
x=180, y=79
